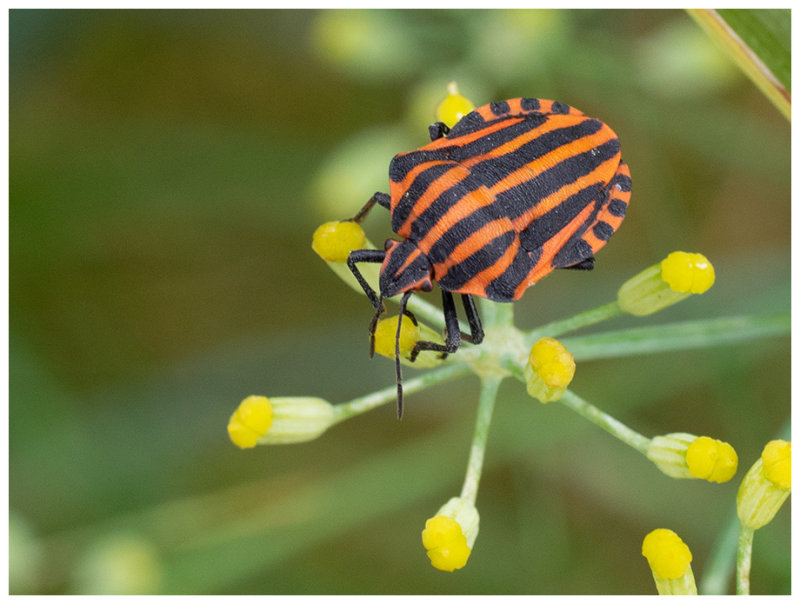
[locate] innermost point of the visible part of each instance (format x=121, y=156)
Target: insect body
x=515, y=189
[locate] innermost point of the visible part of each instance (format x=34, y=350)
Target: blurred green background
x=167, y=169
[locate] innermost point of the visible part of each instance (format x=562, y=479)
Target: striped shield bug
x=515, y=189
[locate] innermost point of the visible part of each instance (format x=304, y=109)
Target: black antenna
x=399, y=374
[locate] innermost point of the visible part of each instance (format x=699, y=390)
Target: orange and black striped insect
x=515, y=189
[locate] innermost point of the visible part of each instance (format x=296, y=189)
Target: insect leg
x=452, y=332
x=366, y=256
x=382, y=199
x=475, y=328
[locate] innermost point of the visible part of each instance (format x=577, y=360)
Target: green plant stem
x=605, y=421
x=496, y=314
x=375, y=399
x=743, y=560
x=675, y=336
x=488, y=395
x=582, y=319
x=719, y=565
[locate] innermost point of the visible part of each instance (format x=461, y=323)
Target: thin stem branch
x=743, y=560
x=368, y=402
x=675, y=336
x=605, y=421
x=582, y=319
x=488, y=395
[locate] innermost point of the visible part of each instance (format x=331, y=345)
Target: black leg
x=382, y=199
x=452, y=332
x=475, y=328
x=366, y=256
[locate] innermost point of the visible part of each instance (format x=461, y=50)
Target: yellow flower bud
x=386, y=332
x=683, y=455
x=453, y=107
x=410, y=334
x=449, y=536
x=675, y=278
x=670, y=562
x=333, y=241
x=711, y=459
x=279, y=420
x=766, y=485
x=549, y=370
x=251, y=421
x=777, y=460
x=687, y=273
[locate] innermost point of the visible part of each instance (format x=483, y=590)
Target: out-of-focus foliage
x=167, y=170
x=759, y=41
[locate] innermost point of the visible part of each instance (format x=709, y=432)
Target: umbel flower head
x=449, y=536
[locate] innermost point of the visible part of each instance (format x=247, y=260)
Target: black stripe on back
x=622, y=182
x=546, y=226
x=528, y=152
x=421, y=183
x=403, y=163
x=494, y=169
x=517, y=200
x=576, y=250
x=458, y=274
x=617, y=207
x=425, y=221
x=491, y=141
x=603, y=231
x=501, y=289
x=472, y=122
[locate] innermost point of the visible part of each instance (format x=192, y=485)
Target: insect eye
x=426, y=285
x=389, y=244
